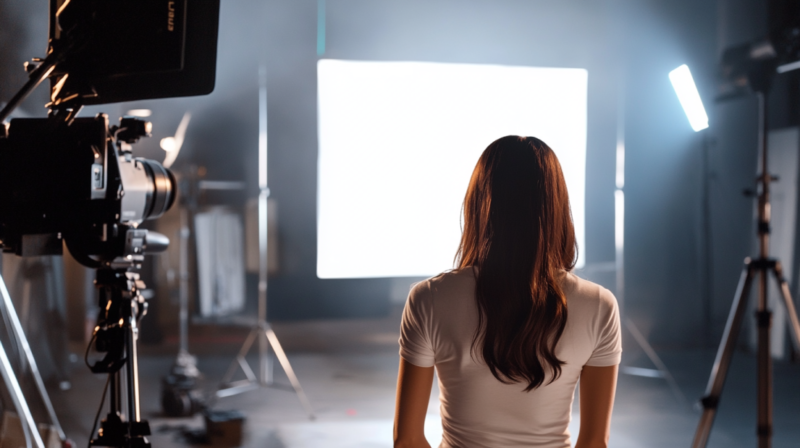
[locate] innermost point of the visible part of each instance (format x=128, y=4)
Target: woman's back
x=511, y=331
x=439, y=324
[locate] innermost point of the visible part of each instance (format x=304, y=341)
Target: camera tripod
x=762, y=267
x=121, y=308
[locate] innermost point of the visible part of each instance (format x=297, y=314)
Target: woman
x=511, y=330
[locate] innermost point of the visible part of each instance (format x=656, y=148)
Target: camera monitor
x=397, y=145
x=127, y=50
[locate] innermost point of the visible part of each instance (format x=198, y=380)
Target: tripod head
x=120, y=300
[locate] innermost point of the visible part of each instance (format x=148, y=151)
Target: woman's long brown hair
x=518, y=237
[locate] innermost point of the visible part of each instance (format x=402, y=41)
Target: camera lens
x=164, y=189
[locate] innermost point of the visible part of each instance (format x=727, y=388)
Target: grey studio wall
x=664, y=246
x=627, y=46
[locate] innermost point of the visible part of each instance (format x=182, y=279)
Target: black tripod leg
x=723, y=359
x=791, y=312
x=764, y=322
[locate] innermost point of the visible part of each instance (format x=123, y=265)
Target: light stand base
x=661, y=370
x=266, y=338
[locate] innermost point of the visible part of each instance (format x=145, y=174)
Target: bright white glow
x=398, y=142
x=684, y=86
x=168, y=144
x=620, y=164
x=144, y=113
x=172, y=145
x=619, y=220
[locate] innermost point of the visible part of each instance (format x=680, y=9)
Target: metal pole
x=184, y=283
x=113, y=399
x=708, y=246
x=133, y=369
x=764, y=315
x=265, y=362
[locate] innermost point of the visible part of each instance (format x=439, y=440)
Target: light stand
x=618, y=266
x=262, y=330
x=179, y=394
x=762, y=266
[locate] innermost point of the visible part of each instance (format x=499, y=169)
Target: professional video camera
x=74, y=180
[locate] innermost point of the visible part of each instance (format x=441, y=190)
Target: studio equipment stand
x=262, y=331
x=761, y=267
x=29, y=428
x=179, y=392
x=121, y=307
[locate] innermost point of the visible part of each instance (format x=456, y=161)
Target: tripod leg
x=789, y=304
x=723, y=359
x=132, y=367
x=764, y=322
x=281, y=355
x=10, y=312
x=29, y=426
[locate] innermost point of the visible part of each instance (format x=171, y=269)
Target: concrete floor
x=349, y=368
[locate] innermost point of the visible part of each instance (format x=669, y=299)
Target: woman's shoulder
x=446, y=284
x=582, y=291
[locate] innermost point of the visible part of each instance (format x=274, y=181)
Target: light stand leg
x=724, y=354
x=240, y=359
x=9, y=311
x=281, y=355
x=656, y=360
x=264, y=364
x=791, y=312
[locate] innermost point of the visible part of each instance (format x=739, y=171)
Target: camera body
x=80, y=182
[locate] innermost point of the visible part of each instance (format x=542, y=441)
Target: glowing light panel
x=398, y=142
x=684, y=86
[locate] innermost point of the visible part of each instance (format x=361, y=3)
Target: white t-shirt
x=439, y=322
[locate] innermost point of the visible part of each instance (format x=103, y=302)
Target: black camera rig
x=75, y=181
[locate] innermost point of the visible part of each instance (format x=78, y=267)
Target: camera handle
x=36, y=77
x=121, y=308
